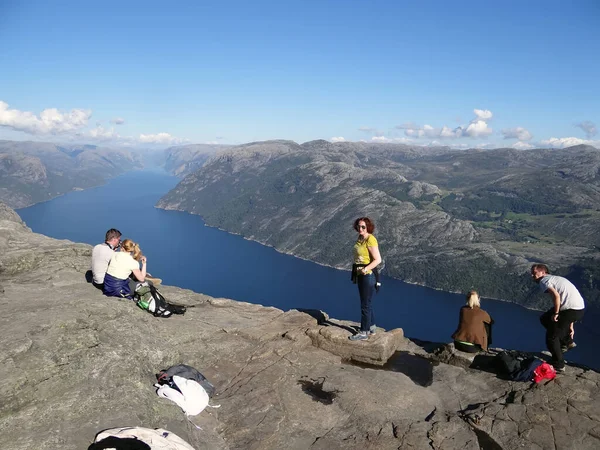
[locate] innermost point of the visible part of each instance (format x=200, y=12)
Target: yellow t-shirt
x=361, y=251
x=121, y=265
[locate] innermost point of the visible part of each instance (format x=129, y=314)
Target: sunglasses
x=362, y=227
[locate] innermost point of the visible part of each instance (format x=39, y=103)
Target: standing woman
x=123, y=264
x=366, y=258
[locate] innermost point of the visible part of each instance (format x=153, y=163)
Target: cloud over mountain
x=519, y=133
x=478, y=127
x=50, y=121
x=568, y=142
x=520, y=145
x=160, y=138
x=74, y=126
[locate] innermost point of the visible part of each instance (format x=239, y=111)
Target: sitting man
x=101, y=255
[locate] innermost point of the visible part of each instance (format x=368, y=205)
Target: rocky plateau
x=74, y=362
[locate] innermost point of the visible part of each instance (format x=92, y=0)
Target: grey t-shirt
x=570, y=298
x=101, y=255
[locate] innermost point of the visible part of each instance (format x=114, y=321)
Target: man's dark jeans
x=366, y=289
x=557, y=333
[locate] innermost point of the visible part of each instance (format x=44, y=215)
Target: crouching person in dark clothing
x=474, y=332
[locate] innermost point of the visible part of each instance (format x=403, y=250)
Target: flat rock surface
x=74, y=362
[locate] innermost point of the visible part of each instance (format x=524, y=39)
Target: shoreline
x=334, y=267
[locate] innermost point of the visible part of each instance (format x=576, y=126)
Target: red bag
x=544, y=372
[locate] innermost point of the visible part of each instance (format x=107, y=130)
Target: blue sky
x=458, y=73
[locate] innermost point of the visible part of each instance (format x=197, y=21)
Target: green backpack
x=149, y=299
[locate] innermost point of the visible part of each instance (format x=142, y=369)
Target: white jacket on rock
x=192, y=398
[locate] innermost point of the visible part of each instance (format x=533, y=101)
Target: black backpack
x=516, y=366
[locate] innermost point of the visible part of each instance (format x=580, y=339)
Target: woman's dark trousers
x=557, y=333
x=366, y=289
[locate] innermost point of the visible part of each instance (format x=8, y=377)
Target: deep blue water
x=184, y=252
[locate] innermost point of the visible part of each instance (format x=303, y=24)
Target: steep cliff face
x=75, y=362
x=447, y=219
x=31, y=172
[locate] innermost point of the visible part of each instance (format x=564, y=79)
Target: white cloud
x=478, y=127
x=483, y=114
x=212, y=142
x=380, y=139
x=424, y=131
x=520, y=145
x=100, y=134
x=568, y=142
x=519, y=133
x=337, y=139
x=73, y=125
x=446, y=132
x=50, y=121
x=588, y=127
x=160, y=138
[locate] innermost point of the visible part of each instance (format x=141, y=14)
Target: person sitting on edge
x=474, y=332
x=101, y=255
x=568, y=308
x=117, y=282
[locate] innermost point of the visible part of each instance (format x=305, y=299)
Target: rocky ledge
x=74, y=363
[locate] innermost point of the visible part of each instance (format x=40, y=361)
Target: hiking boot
x=566, y=348
x=155, y=281
x=373, y=330
x=361, y=336
x=562, y=369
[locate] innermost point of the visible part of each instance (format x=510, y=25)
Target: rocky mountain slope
x=74, y=363
x=184, y=159
x=454, y=220
x=31, y=172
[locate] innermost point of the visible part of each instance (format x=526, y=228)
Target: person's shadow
x=322, y=320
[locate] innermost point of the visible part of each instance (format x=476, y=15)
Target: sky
x=465, y=74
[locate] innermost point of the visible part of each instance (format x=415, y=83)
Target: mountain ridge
x=448, y=219
x=32, y=172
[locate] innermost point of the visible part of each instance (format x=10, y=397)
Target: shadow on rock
x=314, y=388
x=323, y=320
x=418, y=368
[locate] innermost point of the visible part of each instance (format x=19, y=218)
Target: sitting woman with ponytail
x=117, y=282
x=474, y=332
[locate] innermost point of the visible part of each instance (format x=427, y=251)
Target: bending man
x=568, y=307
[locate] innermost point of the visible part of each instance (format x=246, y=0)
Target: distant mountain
x=454, y=220
x=185, y=159
x=31, y=172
